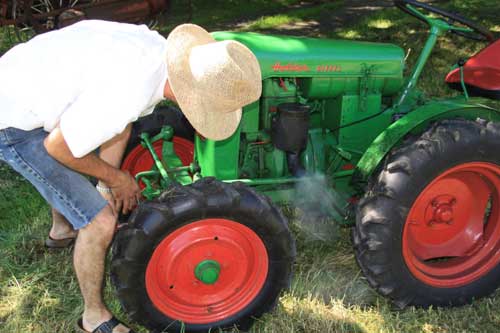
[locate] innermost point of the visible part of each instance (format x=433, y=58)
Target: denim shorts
x=72, y=194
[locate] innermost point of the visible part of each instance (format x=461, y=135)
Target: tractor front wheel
x=428, y=229
x=138, y=158
x=202, y=257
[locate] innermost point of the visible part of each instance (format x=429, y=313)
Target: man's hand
x=126, y=192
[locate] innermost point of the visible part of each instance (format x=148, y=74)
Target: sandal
x=52, y=243
x=106, y=327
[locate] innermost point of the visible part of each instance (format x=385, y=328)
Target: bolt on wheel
x=452, y=232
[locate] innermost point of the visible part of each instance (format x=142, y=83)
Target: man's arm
x=124, y=187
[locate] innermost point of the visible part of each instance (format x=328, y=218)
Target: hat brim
x=200, y=112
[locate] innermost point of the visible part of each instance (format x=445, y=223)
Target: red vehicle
x=28, y=17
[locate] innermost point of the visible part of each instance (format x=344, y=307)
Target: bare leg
x=92, y=245
x=89, y=257
x=111, y=152
x=61, y=228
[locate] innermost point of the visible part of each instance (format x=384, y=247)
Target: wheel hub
x=441, y=210
x=207, y=271
x=444, y=214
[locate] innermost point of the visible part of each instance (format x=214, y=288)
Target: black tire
x=153, y=123
x=179, y=206
x=381, y=215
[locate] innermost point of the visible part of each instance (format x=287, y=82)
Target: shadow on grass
x=326, y=284
x=306, y=316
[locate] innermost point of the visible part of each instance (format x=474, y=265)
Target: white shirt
x=92, y=78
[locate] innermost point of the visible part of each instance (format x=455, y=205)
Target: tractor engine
x=316, y=97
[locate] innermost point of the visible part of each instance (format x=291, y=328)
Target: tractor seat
x=481, y=73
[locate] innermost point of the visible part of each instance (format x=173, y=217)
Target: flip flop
x=106, y=327
x=52, y=243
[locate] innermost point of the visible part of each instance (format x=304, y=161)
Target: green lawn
x=38, y=289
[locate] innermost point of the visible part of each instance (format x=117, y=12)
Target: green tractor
x=417, y=179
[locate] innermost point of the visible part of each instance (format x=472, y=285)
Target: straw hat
x=211, y=80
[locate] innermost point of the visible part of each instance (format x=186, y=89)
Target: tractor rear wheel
x=428, y=229
x=202, y=257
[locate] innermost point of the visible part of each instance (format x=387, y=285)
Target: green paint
x=158, y=163
x=434, y=110
x=167, y=169
x=462, y=82
x=438, y=27
x=207, y=271
x=319, y=58
x=174, y=167
x=436, y=31
x=218, y=158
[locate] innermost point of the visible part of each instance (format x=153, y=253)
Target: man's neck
x=168, y=93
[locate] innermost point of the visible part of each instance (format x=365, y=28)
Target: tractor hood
x=287, y=56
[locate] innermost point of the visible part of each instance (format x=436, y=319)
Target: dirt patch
x=327, y=21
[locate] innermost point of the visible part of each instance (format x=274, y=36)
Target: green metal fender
x=417, y=120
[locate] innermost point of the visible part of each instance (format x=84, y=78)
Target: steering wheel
x=473, y=30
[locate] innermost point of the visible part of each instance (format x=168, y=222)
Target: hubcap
x=207, y=271
x=452, y=232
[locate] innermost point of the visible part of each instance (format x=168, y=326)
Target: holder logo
x=290, y=67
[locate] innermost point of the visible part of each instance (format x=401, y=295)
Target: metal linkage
x=167, y=169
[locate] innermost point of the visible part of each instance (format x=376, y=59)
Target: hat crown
x=211, y=80
x=226, y=72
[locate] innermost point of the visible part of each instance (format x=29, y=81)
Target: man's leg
x=89, y=257
x=112, y=150
x=87, y=210
x=92, y=244
x=61, y=228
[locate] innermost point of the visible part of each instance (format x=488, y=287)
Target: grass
x=38, y=289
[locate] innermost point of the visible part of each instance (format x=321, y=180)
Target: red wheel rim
x=452, y=233
x=173, y=287
x=139, y=159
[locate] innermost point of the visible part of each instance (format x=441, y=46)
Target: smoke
x=319, y=206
